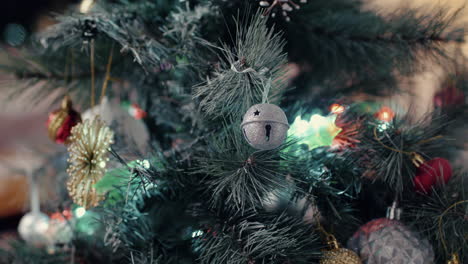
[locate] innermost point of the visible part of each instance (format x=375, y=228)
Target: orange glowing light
x=385, y=114
x=337, y=109
x=65, y=215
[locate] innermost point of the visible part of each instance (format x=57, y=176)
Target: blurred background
x=23, y=130
x=28, y=15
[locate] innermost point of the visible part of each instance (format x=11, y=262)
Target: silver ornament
x=386, y=241
x=59, y=235
x=265, y=126
x=60, y=231
x=33, y=228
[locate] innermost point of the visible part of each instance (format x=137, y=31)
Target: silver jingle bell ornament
x=265, y=126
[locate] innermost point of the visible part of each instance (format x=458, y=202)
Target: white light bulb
x=80, y=212
x=86, y=5
x=318, y=121
x=197, y=233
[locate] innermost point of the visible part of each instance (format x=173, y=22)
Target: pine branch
x=256, y=238
x=442, y=216
x=117, y=25
x=330, y=182
x=391, y=150
x=236, y=177
x=255, y=62
x=345, y=43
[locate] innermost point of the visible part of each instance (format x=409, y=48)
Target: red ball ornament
x=137, y=112
x=61, y=121
x=449, y=96
x=430, y=173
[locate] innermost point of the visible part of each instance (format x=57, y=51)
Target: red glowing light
x=64, y=215
x=385, y=114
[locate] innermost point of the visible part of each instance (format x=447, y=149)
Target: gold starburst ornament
x=88, y=151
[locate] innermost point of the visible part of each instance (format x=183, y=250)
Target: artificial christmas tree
x=225, y=177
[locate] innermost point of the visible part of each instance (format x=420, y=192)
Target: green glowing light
x=319, y=131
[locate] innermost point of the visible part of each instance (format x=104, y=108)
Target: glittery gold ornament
x=338, y=255
x=87, y=163
x=454, y=260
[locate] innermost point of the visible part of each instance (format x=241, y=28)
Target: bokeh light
x=14, y=34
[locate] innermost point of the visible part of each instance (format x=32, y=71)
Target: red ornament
x=449, y=96
x=430, y=173
x=61, y=121
x=385, y=114
x=136, y=111
x=62, y=216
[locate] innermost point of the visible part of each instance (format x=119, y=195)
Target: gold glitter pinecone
x=87, y=162
x=340, y=256
x=454, y=260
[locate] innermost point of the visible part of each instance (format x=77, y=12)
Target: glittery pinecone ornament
x=61, y=122
x=386, y=241
x=337, y=255
x=87, y=163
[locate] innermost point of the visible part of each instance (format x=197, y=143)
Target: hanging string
x=67, y=66
x=416, y=158
x=441, y=234
x=93, y=88
x=107, y=77
x=241, y=63
x=72, y=66
x=34, y=192
x=429, y=139
x=266, y=91
x=331, y=239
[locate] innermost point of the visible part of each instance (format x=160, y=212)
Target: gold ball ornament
x=90, y=143
x=454, y=260
x=340, y=256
